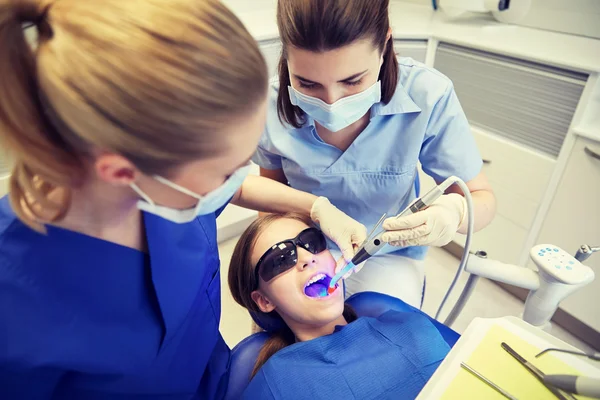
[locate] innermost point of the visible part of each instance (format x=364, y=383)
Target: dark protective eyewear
x=282, y=256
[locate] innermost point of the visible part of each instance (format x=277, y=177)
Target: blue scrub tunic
x=423, y=122
x=82, y=318
x=389, y=357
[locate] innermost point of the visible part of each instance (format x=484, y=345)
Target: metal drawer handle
x=485, y=161
x=592, y=153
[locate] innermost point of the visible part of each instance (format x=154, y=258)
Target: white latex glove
x=347, y=233
x=434, y=226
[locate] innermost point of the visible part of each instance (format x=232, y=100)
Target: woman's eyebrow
x=350, y=78
x=304, y=79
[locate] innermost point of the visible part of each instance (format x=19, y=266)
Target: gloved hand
x=347, y=233
x=434, y=226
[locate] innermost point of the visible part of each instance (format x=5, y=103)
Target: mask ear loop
x=140, y=193
x=175, y=186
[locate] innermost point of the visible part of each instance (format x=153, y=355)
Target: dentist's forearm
x=484, y=207
x=266, y=195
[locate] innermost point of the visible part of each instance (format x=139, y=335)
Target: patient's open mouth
x=317, y=285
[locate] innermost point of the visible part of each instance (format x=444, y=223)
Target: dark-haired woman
x=350, y=121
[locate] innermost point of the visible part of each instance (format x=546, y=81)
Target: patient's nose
x=305, y=259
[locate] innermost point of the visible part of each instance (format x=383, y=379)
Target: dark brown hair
x=242, y=284
x=322, y=25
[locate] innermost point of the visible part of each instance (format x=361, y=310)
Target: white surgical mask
x=340, y=114
x=207, y=204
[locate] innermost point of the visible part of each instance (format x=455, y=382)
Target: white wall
x=4, y=171
x=3, y=186
x=241, y=6
x=420, y=2
x=578, y=17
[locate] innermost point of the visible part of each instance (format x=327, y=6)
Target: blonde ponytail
x=42, y=161
x=156, y=81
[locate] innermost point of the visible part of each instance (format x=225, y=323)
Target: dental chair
x=366, y=304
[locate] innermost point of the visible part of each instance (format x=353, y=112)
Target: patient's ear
x=264, y=304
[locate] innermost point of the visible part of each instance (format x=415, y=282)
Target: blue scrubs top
x=82, y=318
x=389, y=357
x=423, y=122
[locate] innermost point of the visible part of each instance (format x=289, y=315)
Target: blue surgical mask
x=340, y=114
x=207, y=204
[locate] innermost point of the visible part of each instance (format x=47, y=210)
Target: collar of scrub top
x=400, y=103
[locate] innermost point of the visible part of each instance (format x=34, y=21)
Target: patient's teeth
x=316, y=278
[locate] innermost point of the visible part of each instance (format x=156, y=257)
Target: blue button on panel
x=569, y=268
x=548, y=248
x=556, y=250
x=572, y=262
x=540, y=254
x=557, y=266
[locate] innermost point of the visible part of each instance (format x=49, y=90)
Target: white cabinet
x=574, y=219
x=530, y=104
x=519, y=178
x=416, y=49
x=520, y=113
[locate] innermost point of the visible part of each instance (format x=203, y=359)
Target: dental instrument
x=559, y=275
x=585, y=251
x=580, y=385
x=535, y=371
x=488, y=382
x=591, y=356
x=371, y=246
x=350, y=266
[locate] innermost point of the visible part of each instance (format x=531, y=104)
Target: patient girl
x=281, y=266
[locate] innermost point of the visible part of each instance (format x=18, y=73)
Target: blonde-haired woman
x=130, y=127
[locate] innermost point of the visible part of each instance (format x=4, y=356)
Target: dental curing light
x=373, y=245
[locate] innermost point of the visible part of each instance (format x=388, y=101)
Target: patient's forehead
x=276, y=232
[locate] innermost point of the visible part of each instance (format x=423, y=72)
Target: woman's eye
x=354, y=83
x=306, y=85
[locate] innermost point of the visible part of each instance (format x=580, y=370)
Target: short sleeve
x=266, y=159
x=449, y=148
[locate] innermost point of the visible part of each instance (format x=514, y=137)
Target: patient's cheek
x=327, y=259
